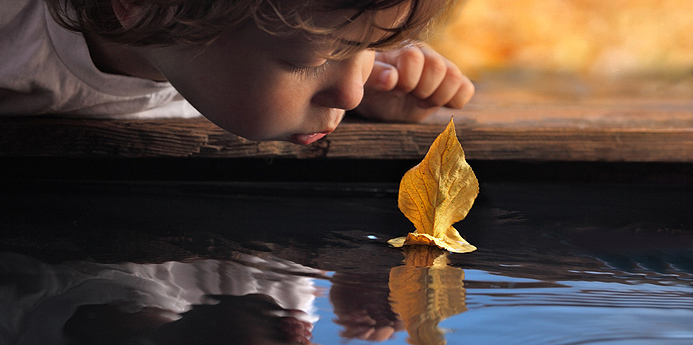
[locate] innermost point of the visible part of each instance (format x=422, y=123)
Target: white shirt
x=45, y=68
x=36, y=298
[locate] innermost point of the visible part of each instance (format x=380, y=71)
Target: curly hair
x=167, y=22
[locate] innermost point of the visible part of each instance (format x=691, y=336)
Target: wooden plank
x=197, y=137
x=557, y=120
x=494, y=143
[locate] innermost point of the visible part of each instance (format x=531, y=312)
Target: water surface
x=128, y=263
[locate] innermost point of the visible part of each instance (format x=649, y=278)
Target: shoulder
x=22, y=29
x=24, y=41
x=16, y=13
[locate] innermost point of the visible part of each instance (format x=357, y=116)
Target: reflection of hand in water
x=360, y=302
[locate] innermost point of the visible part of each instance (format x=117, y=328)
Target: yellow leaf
x=437, y=193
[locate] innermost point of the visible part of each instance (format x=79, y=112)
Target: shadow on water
x=109, y=263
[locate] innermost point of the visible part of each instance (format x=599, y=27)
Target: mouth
x=307, y=139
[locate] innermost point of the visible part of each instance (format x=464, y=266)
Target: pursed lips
x=307, y=139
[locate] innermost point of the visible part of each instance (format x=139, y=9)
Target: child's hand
x=411, y=83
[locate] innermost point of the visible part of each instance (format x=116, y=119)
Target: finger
x=454, y=90
x=383, y=77
x=366, y=334
x=409, y=62
x=381, y=334
x=434, y=72
x=463, y=95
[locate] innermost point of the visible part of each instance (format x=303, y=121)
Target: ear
x=128, y=12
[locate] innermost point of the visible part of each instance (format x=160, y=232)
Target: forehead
x=352, y=21
x=352, y=27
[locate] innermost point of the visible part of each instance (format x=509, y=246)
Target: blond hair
x=166, y=22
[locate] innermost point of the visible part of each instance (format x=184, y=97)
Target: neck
x=121, y=59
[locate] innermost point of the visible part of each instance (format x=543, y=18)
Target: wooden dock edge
x=69, y=137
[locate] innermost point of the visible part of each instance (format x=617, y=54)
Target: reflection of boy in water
x=361, y=304
x=244, y=320
x=202, y=301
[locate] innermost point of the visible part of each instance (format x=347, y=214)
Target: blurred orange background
x=610, y=38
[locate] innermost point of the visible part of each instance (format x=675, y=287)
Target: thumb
x=383, y=77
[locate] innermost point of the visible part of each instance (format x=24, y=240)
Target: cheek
x=367, y=64
x=255, y=102
x=248, y=95
x=281, y=97
x=272, y=107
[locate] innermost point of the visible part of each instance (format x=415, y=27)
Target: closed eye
x=309, y=71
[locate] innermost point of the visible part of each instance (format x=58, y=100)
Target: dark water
x=147, y=263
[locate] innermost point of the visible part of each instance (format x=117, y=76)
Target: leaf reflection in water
x=425, y=291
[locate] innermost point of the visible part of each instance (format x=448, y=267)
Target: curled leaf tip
x=437, y=193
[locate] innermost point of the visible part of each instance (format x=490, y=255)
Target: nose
x=344, y=90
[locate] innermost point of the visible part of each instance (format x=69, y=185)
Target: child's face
x=267, y=87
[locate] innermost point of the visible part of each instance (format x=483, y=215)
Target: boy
x=262, y=69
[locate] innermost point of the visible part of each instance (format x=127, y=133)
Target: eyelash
x=309, y=72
